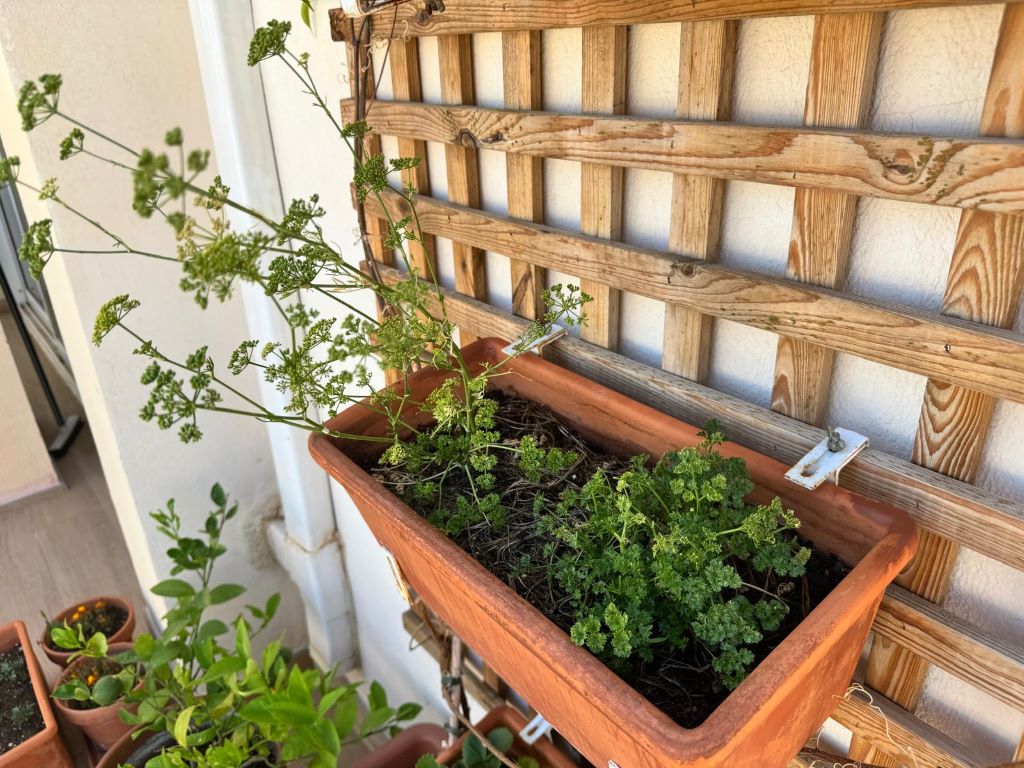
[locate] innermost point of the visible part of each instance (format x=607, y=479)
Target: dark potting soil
x=680, y=683
x=20, y=718
x=103, y=617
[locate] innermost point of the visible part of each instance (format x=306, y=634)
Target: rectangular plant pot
x=767, y=719
x=44, y=748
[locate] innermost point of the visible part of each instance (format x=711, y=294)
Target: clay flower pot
x=121, y=635
x=44, y=748
x=543, y=750
x=102, y=725
x=122, y=749
x=766, y=720
x=405, y=749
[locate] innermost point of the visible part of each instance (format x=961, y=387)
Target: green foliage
x=99, y=681
x=9, y=167
x=268, y=41
x=223, y=702
x=72, y=144
x=651, y=557
x=475, y=754
x=37, y=101
x=37, y=246
x=110, y=316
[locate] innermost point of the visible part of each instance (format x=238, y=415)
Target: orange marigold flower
x=99, y=604
x=81, y=608
x=90, y=679
x=74, y=616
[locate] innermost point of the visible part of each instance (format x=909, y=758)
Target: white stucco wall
x=130, y=68
x=932, y=77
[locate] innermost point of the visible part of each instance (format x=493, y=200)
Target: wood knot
x=495, y=138
x=466, y=139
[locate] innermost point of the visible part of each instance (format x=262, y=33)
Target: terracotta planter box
x=123, y=635
x=101, y=725
x=543, y=750
x=767, y=719
x=405, y=749
x=46, y=747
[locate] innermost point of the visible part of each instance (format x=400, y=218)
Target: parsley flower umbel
x=72, y=144
x=268, y=41
x=37, y=103
x=9, y=169
x=110, y=316
x=37, y=246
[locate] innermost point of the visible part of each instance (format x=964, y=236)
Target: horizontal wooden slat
x=464, y=16
x=984, y=359
x=983, y=173
x=956, y=510
x=952, y=644
x=897, y=732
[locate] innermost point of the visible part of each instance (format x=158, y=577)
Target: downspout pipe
x=306, y=542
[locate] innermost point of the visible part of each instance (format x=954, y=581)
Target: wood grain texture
x=455, y=53
x=988, y=360
x=604, y=92
x=985, y=284
x=844, y=58
x=521, y=69
x=375, y=228
x=983, y=173
x=955, y=645
x=466, y=16
x=982, y=521
x=897, y=732
x=404, y=58
x=706, y=57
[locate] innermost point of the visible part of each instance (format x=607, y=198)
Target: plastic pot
x=44, y=748
x=405, y=749
x=102, y=725
x=122, y=635
x=543, y=750
x=136, y=752
x=766, y=720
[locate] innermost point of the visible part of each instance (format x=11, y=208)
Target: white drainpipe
x=306, y=543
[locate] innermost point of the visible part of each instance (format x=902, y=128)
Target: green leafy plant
x=657, y=556
x=224, y=703
x=87, y=620
x=321, y=365
x=98, y=680
x=475, y=754
x=12, y=667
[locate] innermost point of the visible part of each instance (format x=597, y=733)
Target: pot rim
x=50, y=728
x=55, y=653
x=803, y=647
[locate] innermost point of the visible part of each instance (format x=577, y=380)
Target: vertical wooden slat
x=523, y=90
x=456, y=63
x=405, y=85
x=843, y=63
x=706, y=56
x=604, y=92
x=375, y=228
x=985, y=283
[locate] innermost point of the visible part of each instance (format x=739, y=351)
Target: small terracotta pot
x=766, y=720
x=44, y=748
x=102, y=725
x=123, y=635
x=543, y=750
x=405, y=749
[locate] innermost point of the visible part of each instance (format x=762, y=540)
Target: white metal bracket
x=535, y=730
x=824, y=461
x=537, y=345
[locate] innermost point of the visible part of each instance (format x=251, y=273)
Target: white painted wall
x=131, y=68
x=932, y=77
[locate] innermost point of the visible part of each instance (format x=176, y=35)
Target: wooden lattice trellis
x=968, y=352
